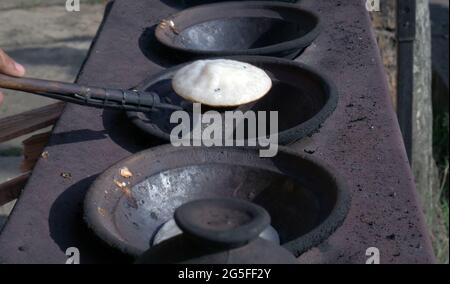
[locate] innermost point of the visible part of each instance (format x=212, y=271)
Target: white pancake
x=221, y=82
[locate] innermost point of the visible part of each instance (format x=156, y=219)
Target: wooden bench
x=15, y=126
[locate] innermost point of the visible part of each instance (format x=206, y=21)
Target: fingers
x=9, y=66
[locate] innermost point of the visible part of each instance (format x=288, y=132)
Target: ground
x=52, y=44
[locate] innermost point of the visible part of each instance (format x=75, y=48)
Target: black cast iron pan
x=262, y=28
x=303, y=98
x=306, y=199
x=189, y=3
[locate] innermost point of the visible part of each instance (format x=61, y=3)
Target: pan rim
x=286, y=136
x=289, y=45
x=297, y=246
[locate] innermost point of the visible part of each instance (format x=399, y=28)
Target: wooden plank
x=32, y=150
x=26, y=122
x=11, y=189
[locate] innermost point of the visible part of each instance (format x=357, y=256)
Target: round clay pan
x=306, y=199
x=303, y=98
x=239, y=28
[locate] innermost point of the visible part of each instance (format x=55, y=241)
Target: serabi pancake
x=221, y=82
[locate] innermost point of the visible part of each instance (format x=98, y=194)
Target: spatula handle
x=91, y=96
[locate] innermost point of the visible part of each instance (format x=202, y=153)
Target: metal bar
x=406, y=33
x=89, y=96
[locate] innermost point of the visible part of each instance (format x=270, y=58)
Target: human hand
x=9, y=67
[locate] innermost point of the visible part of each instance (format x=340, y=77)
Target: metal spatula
x=129, y=100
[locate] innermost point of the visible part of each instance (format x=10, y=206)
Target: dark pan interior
x=240, y=33
x=295, y=208
x=239, y=28
x=189, y=3
x=298, y=194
